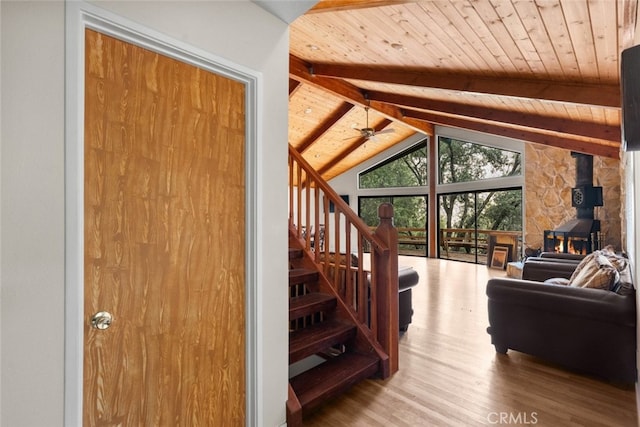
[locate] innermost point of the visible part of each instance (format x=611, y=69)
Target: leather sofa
x=591, y=331
x=407, y=279
x=545, y=267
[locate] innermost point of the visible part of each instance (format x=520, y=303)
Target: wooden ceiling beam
x=351, y=148
x=293, y=87
x=596, y=147
x=555, y=124
x=300, y=71
x=601, y=95
x=324, y=126
x=339, y=5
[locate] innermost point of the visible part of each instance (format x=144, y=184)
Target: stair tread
x=302, y=275
x=318, y=337
x=310, y=303
x=295, y=253
x=332, y=377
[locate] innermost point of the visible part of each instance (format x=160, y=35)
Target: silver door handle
x=101, y=320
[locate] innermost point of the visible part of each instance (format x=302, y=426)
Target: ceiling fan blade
x=385, y=131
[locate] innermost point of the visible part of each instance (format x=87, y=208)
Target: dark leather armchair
x=588, y=330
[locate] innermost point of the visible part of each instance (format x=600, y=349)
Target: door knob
x=101, y=320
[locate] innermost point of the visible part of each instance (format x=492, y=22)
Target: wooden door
x=164, y=240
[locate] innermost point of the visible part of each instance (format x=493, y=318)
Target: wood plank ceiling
x=543, y=71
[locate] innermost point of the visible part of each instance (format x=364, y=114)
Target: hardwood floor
x=450, y=374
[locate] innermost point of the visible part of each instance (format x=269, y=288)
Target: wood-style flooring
x=450, y=374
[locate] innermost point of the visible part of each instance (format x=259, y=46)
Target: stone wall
x=550, y=174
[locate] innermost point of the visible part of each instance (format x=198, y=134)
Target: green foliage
x=408, y=211
x=465, y=161
x=459, y=161
x=503, y=211
x=369, y=209
x=495, y=210
x=409, y=169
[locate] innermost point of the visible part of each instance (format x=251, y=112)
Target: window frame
x=491, y=141
x=422, y=143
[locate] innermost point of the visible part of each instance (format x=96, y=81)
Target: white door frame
x=80, y=16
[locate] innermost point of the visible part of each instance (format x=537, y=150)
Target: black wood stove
x=582, y=234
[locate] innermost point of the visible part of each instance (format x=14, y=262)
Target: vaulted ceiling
x=543, y=71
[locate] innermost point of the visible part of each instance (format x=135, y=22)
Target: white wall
x=32, y=189
x=32, y=223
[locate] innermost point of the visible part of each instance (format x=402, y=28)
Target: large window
x=478, y=195
x=409, y=217
x=407, y=169
x=467, y=220
x=462, y=161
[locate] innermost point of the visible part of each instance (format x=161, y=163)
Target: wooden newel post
x=387, y=285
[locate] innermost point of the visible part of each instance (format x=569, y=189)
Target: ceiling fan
x=369, y=132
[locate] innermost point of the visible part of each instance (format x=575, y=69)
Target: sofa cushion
x=557, y=281
x=595, y=271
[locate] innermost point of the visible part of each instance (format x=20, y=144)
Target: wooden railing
x=412, y=236
x=470, y=239
x=411, y=240
x=330, y=230
x=465, y=238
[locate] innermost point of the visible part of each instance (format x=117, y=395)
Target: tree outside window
x=407, y=169
x=461, y=161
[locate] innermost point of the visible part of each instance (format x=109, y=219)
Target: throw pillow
x=618, y=261
x=624, y=286
x=595, y=272
x=586, y=261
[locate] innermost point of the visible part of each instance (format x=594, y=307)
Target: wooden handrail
x=330, y=195
x=331, y=232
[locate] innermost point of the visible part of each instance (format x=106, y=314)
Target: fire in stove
x=573, y=237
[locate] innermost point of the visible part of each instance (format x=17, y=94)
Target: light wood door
x=164, y=240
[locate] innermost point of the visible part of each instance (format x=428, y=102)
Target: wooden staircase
x=320, y=330
x=343, y=320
